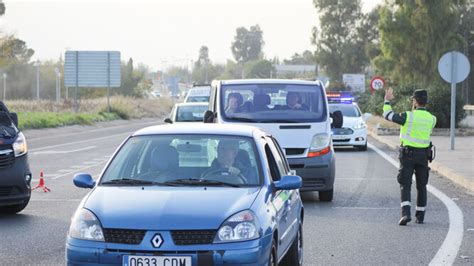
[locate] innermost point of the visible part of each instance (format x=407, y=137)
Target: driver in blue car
x=233, y=164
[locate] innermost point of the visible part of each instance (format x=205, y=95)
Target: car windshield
x=197, y=99
x=190, y=113
x=273, y=103
x=348, y=110
x=188, y=160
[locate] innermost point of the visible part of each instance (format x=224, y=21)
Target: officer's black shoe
x=404, y=220
x=419, y=217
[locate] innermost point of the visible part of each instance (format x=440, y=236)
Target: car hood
x=166, y=208
x=350, y=122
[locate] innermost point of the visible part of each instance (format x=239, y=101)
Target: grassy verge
x=47, y=114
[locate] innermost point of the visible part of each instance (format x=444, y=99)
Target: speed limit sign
x=377, y=83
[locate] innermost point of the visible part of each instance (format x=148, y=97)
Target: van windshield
x=273, y=103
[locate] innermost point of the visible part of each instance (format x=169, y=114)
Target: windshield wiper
x=243, y=119
x=281, y=121
x=129, y=181
x=200, y=182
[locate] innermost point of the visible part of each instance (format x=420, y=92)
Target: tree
x=414, y=35
x=339, y=47
x=466, y=30
x=306, y=58
x=13, y=50
x=247, y=44
x=258, y=69
x=203, y=58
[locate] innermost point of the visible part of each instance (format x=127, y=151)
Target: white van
x=198, y=94
x=295, y=112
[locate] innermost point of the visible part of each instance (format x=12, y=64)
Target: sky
x=160, y=33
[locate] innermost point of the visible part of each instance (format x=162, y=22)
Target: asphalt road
x=358, y=227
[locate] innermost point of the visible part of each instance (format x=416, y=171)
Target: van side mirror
x=209, y=117
x=168, y=120
x=337, y=119
x=14, y=118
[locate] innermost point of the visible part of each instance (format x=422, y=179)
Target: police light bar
x=339, y=97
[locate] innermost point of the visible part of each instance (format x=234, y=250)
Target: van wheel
x=14, y=208
x=326, y=195
x=273, y=260
x=294, y=257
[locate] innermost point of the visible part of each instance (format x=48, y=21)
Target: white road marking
x=79, y=141
x=58, y=200
x=74, y=171
x=365, y=208
x=63, y=152
x=448, y=251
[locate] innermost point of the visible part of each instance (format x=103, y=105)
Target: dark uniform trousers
x=413, y=160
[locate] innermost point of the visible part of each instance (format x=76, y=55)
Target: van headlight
x=86, y=226
x=19, y=146
x=239, y=227
x=320, y=141
x=360, y=125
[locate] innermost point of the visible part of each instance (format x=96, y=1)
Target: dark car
x=15, y=175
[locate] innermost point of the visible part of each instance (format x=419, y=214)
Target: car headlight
x=320, y=141
x=19, y=146
x=86, y=226
x=239, y=227
x=360, y=125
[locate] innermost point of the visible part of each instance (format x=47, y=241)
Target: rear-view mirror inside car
x=189, y=147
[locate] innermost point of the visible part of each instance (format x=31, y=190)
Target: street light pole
x=4, y=86
x=37, y=80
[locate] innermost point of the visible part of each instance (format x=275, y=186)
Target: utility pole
x=37, y=80
x=4, y=86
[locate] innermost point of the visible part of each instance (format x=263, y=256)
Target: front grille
x=296, y=166
x=341, y=140
x=124, y=236
x=313, y=182
x=342, y=131
x=294, y=151
x=7, y=157
x=193, y=237
x=5, y=191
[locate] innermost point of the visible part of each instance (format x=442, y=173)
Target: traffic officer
x=415, y=145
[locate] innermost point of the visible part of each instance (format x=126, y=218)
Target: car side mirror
x=83, y=180
x=168, y=120
x=288, y=182
x=337, y=119
x=14, y=117
x=366, y=116
x=209, y=117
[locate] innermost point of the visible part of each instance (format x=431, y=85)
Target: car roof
x=202, y=129
x=192, y=104
x=270, y=81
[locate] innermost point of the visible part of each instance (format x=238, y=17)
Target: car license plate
x=157, y=261
x=339, y=137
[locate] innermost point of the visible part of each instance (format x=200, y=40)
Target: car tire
x=326, y=195
x=273, y=259
x=14, y=208
x=362, y=147
x=294, y=257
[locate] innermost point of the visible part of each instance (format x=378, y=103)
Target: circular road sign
x=377, y=83
x=454, y=67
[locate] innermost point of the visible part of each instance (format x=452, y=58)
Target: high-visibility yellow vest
x=416, y=131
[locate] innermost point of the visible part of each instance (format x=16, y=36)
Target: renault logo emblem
x=156, y=241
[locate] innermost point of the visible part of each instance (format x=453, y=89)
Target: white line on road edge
x=80, y=169
x=449, y=249
x=63, y=152
x=80, y=141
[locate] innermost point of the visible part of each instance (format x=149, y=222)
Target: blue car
x=190, y=195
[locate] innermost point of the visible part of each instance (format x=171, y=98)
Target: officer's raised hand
x=388, y=94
